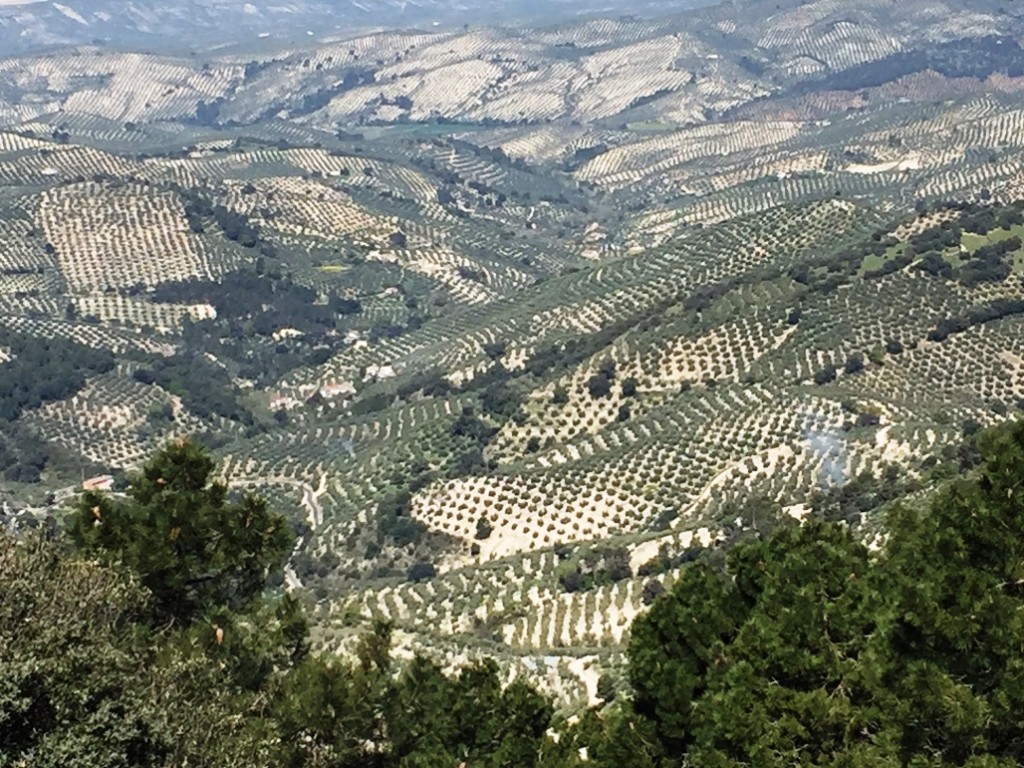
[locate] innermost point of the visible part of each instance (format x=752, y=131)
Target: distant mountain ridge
x=677, y=70
x=153, y=23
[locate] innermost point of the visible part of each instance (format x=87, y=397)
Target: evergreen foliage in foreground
x=193, y=548
x=813, y=651
x=807, y=649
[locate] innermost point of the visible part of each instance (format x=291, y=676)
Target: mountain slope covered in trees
x=512, y=324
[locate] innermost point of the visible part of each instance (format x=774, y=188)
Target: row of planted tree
x=146, y=636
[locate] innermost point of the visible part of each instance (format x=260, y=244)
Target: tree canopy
x=809, y=650
x=191, y=545
x=149, y=638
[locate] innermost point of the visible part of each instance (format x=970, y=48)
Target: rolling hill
x=513, y=320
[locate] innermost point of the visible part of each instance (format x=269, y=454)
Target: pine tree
x=192, y=547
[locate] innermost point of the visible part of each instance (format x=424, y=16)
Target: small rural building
x=100, y=483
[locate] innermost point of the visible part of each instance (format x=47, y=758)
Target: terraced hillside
x=512, y=321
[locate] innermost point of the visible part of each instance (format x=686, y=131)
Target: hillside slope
x=511, y=321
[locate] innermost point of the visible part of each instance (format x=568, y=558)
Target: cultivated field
x=514, y=322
